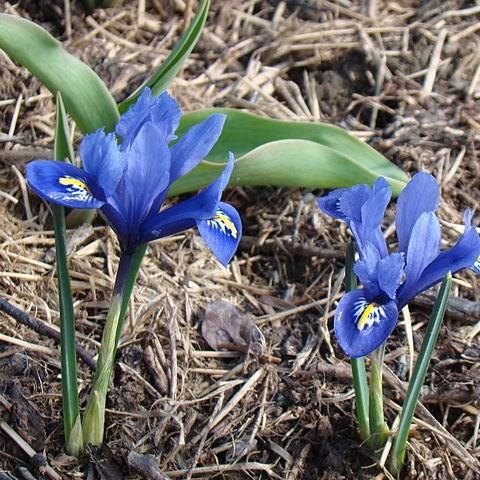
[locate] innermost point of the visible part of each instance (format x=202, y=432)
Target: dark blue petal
x=195, y=145
x=362, y=325
x=390, y=273
x=373, y=209
x=147, y=173
x=352, y=201
x=423, y=248
x=372, y=213
x=222, y=233
x=367, y=269
x=330, y=204
x=199, y=207
x=419, y=196
x=115, y=218
x=163, y=111
x=102, y=159
x=64, y=184
x=462, y=255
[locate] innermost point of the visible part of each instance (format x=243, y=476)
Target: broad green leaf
x=289, y=154
x=86, y=97
x=163, y=76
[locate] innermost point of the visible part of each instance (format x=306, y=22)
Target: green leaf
x=397, y=454
x=63, y=150
x=167, y=71
x=285, y=153
x=86, y=97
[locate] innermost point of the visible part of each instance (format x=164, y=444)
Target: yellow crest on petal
x=367, y=314
x=224, y=222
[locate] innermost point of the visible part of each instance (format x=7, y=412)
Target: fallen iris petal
x=361, y=324
x=64, y=184
x=222, y=232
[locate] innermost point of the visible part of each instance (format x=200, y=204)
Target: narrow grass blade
x=397, y=454
x=64, y=150
x=86, y=97
x=167, y=71
x=358, y=364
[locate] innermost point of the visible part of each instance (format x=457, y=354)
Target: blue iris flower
x=365, y=317
x=128, y=180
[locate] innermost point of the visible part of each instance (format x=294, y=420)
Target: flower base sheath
x=365, y=317
x=128, y=180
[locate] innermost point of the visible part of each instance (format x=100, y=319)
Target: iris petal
x=222, y=232
x=195, y=145
x=147, y=173
x=102, y=159
x=199, y=207
x=361, y=324
x=462, y=255
x=390, y=273
x=64, y=184
x=330, y=204
x=419, y=196
x=163, y=111
x=352, y=201
x=423, y=248
x=367, y=269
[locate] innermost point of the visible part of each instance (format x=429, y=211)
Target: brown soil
x=378, y=69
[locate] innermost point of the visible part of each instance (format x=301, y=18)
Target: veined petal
x=163, y=111
x=419, y=196
x=361, y=324
x=367, y=269
x=373, y=210
x=390, y=273
x=147, y=173
x=195, y=145
x=462, y=255
x=352, y=201
x=423, y=248
x=184, y=215
x=222, y=232
x=380, y=276
x=330, y=204
x=101, y=158
x=64, y=184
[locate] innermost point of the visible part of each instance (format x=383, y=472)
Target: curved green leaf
x=162, y=77
x=86, y=97
x=290, y=154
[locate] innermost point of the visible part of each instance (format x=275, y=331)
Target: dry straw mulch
x=405, y=77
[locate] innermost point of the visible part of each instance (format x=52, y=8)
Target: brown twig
x=42, y=329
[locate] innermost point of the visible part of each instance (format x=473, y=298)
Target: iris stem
x=71, y=418
x=397, y=454
x=358, y=364
x=94, y=417
x=379, y=430
x=63, y=149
